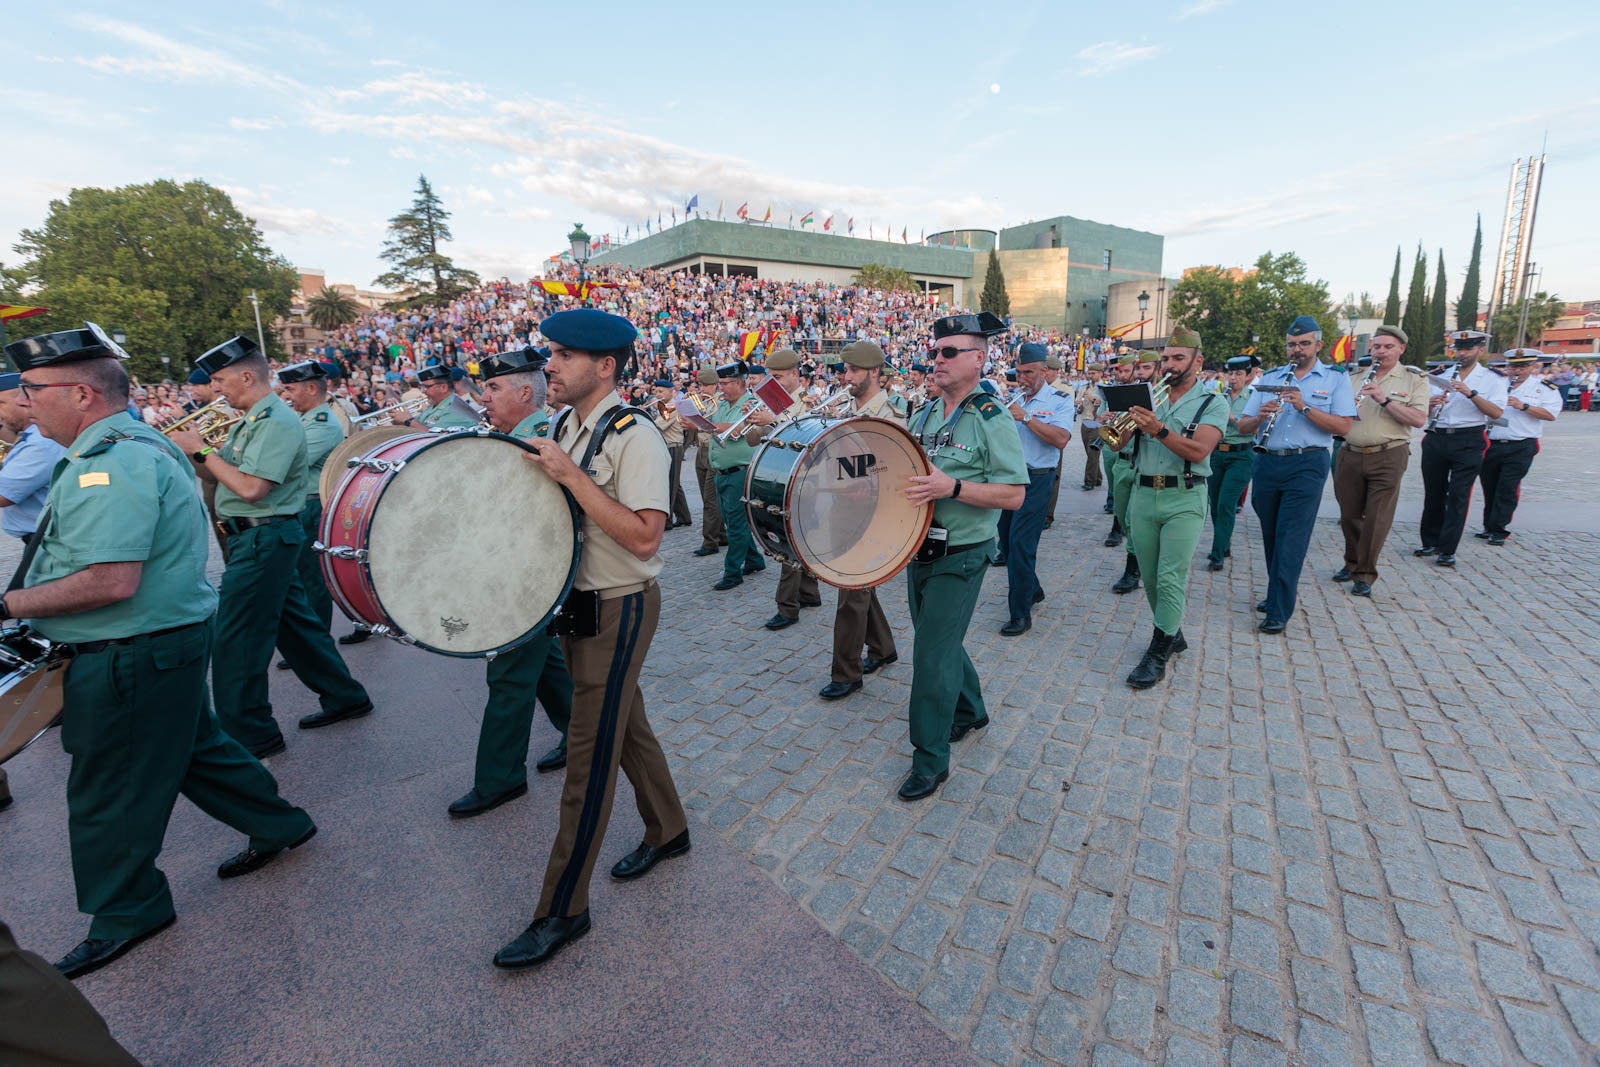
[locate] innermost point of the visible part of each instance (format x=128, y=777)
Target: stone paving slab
x=1373, y=839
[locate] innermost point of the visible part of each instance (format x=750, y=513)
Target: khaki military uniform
x=670, y=423
x=1372, y=464
x=797, y=587
x=859, y=619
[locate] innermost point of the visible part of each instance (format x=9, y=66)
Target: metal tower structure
x=1516, y=234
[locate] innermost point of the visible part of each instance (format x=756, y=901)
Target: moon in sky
x=995, y=87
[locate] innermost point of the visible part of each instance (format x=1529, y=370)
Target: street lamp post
x=261, y=338
x=580, y=255
x=1144, y=305
x=119, y=335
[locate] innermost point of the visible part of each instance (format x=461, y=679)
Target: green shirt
x=447, y=415
x=1156, y=458
x=269, y=443
x=535, y=425
x=124, y=494
x=735, y=453
x=1231, y=433
x=323, y=434
x=982, y=446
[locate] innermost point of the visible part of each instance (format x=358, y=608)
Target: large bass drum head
x=357, y=444
x=849, y=519
x=471, y=547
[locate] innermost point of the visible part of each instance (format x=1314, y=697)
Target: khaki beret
x=863, y=354
x=783, y=359
x=1392, y=331
x=1054, y=363
x=706, y=376
x=1127, y=359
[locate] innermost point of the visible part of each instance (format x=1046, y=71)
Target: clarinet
x=1433, y=416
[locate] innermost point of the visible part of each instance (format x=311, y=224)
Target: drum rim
x=51, y=658
x=365, y=569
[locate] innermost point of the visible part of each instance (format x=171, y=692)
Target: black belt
x=84, y=648
x=1041, y=470
x=1291, y=451
x=1236, y=446
x=729, y=470
x=1480, y=428
x=1171, y=481
x=953, y=549
x=231, y=526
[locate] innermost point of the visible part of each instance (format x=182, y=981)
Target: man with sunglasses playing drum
x=118, y=573
x=978, y=472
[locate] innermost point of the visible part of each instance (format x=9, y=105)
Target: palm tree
x=331, y=309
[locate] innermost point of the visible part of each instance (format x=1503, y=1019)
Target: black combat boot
x=1153, y=667
x=1130, y=576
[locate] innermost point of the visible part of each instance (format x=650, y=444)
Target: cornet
x=213, y=422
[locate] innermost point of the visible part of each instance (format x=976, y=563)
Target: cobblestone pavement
x=1374, y=839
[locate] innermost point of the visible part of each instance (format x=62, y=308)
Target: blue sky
x=1230, y=126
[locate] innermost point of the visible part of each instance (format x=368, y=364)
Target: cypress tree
x=1391, y=307
x=1467, y=305
x=1415, y=320
x=1436, y=309
x=994, y=296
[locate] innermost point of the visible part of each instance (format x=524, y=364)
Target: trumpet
x=213, y=422
x=382, y=417
x=738, y=427
x=1118, y=430
x=5, y=448
x=830, y=400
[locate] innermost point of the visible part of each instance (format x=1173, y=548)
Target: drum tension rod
x=378, y=465
x=340, y=551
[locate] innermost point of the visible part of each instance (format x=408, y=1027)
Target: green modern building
x=1058, y=271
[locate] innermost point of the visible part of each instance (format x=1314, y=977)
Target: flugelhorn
x=212, y=422
x=1120, y=428
x=830, y=400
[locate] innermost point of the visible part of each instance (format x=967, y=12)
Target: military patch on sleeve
x=322, y=416
x=988, y=407
x=622, y=423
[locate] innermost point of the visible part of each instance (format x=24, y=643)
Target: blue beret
x=1031, y=353
x=1303, y=325
x=919, y=368
x=663, y=383
x=199, y=377
x=10, y=380
x=588, y=330
x=331, y=369
x=458, y=374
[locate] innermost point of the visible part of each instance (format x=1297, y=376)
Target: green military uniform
x=981, y=445
x=1164, y=522
x=263, y=599
x=1231, y=465
x=729, y=461
x=138, y=726
x=324, y=433
x=447, y=415
x=535, y=669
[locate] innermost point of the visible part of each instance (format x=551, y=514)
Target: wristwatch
x=200, y=456
x=1026, y=418
x=1473, y=395
x=954, y=493
x=1166, y=431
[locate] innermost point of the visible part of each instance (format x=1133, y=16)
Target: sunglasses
x=949, y=352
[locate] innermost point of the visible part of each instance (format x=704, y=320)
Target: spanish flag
x=13, y=312
x=581, y=290
x=1122, y=331
x=749, y=341
x=1344, y=348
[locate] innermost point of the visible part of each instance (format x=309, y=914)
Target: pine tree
x=1436, y=312
x=1415, y=320
x=1391, y=307
x=1467, y=305
x=413, y=248
x=994, y=298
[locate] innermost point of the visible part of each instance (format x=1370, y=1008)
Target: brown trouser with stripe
x=608, y=730
x=858, y=621
x=1367, y=487
x=712, y=533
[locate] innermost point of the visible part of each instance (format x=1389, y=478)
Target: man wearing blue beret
x=1294, y=424
x=1043, y=417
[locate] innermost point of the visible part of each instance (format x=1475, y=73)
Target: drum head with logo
x=471, y=547
x=848, y=517
x=30, y=692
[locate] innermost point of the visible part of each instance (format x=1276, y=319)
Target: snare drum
x=829, y=495
x=452, y=542
x=31, y=691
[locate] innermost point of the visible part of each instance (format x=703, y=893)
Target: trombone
x=1120, y=428
x=213, y=422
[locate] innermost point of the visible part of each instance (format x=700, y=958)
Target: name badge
x=93, y=478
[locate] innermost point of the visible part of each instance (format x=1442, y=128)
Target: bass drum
x=31, y=691
x=829, y=495
x=355, y=446
x=452, y=542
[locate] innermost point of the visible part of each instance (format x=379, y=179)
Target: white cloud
x=48, y=59
x=1200, y=7
x=416, y=87
x=57, y=109
x=161, y=57
x=1106, y=56
x=473, y=194
x=339, y=161
x=279, y=219
x=400, y=151
x=254, y=124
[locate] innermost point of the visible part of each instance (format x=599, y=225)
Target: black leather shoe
x=1426, y=550
x=253, y=860
x=1038, y=596
x=542, y=939
x=780, y=622
x=355, y=637
x=1445, y=561
x=1213, y=564
x=704, y=550
x=1361, y=589
x=328, y=718
x=637, y=863
x=1483, y=535
x=962, y=729
x=271, y=749
x=5, y=801
x=283, y=664
x=998, y=561
x=727, y=583
x=1179, y=644
x=94, y=953
x=754, y=568
x=1261, y=606
x=869, y=665
x=916, y=786
x=1049, y=523
x=553, y=760
x=1016, y=627
x=839, y=690
x=1343, y=575
x=1497, y=540
x=1152, y=666
x=476, y=803
x=1271, y=626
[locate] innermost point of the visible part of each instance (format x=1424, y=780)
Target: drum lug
x=379, y=465
x=393, y=634
x=798, y=446
x=774, y=509
x=359, y=555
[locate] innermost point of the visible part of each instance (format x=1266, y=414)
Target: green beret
x=863, y=354
x=1392, y=331
x=783, y=359
x=1127, y=359
x=1183, y=337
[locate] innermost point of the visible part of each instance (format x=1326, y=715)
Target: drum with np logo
x=450, y=541
x=829, y=495
x=31, y=673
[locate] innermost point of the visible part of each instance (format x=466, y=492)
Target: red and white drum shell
x=452, y=542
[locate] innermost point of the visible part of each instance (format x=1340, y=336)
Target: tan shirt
x=632, y=467
x=670, y=423
x=1374, y=425
x=879, y=408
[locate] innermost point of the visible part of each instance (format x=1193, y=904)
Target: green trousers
x=1122, y=478
x=264, y=604
x=1230, y=473
x=140, y=731
x=742, y=552
x=515, y=678
x=310, y=566
x=944, y=683
x=1164, y=527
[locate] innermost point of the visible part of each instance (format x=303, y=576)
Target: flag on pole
x=625, y=231
x=647, y=226
x=719, y=209
x=903, y=236
x=1122, y=331
x=768, y=217
x=1083, y=352
x=827, y=223
x=694, y=202
x=850, y=227
x=807, y=219
x=749, y=340
x=743, y=214
x=675, y=215
x=872, y=234
x=1344, y=348
x=14, y=312
x=658, y=220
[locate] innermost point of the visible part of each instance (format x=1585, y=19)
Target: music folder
x=691, y=414
x=1123, y=397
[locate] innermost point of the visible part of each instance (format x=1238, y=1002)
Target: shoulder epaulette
x=262, y=414
x=322, y=416
x=988, y=407
x=1418, y=371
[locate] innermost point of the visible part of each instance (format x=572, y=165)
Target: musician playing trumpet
x=797, y=587
x=445, y=411
x=670, y=423
x=729, y=459
x=1171, y=458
